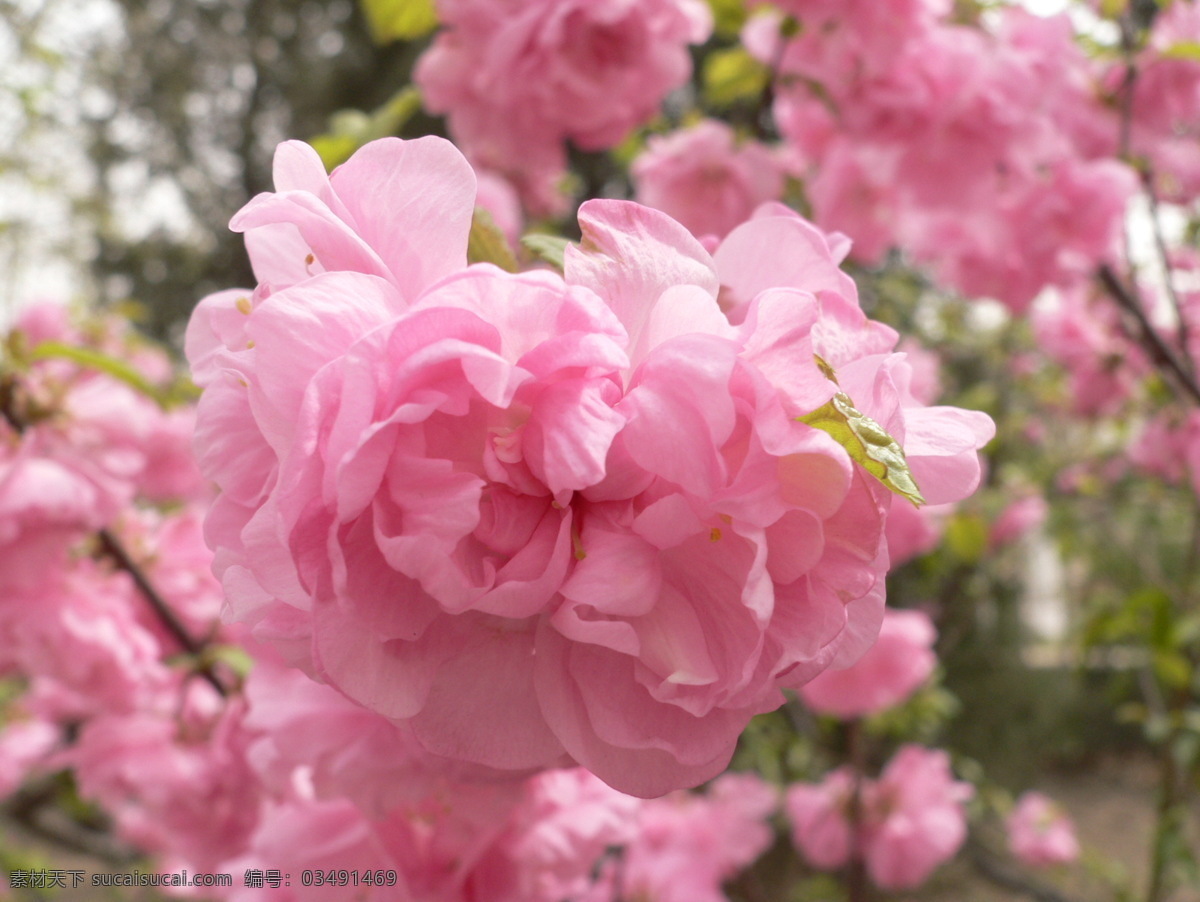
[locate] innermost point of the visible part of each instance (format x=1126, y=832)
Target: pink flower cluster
x=705, y=179
x=536, y=519
x=984, y=153
x=1040, y=833
x=518, y=79
x=83, y=452
x=1165, y=103
x=909, y=821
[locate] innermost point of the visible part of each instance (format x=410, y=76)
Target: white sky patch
x=1046, y=7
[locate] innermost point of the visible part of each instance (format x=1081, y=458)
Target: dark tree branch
x=112, y=547
x=993, y=868
x=1163, y=356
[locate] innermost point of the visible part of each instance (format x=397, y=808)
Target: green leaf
x=487, y=244
x=1172, y=669
x=728, y=16
x=399, y=20
x=865, y=441
x=967, y=537
x=549, y=248
x=732, y=75
x=1182, y=50
x=95, y=360
x=351, y=129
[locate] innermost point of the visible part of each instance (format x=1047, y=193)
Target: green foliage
x=733, y=75
x=399, y=20
x=1182, y=50
x=351, y=129
x=487, y=244
x=728, y=16
x=90, y=358
x=548, y=248
x=967, y=537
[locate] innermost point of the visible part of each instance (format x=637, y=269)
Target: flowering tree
x=567, y=511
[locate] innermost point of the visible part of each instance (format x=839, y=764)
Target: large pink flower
x=541, y=519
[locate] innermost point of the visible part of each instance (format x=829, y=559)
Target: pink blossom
x=180, y=788
x=330, y=835
x=891, y=670
x=915, y=818
x=1165, y=125
x=953, y=143
x=913, y=531
x=702, y=177
x=688, y=845
x=500, y=199
x=538, y=520
x=25, y=746
x=1022, y=516
x=820, y=817
x=1040, y=832
x=516, y=80
x=566, y=823
x=1086, y=338
x=910, y=820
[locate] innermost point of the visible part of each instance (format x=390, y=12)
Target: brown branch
x=116, y=551
x=34, y=809
x=993, y=868
x=111, y=546
x=1163, y=356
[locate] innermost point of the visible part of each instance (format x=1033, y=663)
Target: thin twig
x=1151, y=340
x=28, y=809
x=1164, y=258
x=116, y=551
x=997, y=871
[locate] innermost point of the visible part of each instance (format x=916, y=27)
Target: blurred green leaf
x=549, y=248
x=487, y=244
x=1182, y=50
x=399, y=20
x=91, y=359
x=1172, y=669
x=728, y=16
x=351, y=129
x=967, y=537
x=732, y=75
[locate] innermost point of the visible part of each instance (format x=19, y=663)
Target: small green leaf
x=236, y=658
x=967, y=537
x=351, y=129
x=866, y=441
x=1172, y=669
x=399, y=20
x=728, y=16
x=549, y=248
x=1182, y=50
x=92, y=359
x=732, y=75
x=487, y=244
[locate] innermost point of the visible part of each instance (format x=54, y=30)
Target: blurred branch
x=1149, y=338
x=113, y=548
x=34, y=808
x=995, y=869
